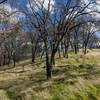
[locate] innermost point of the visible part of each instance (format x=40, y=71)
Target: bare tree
x=53, y=22
x=87, y=34
x=34, y=40
x=3, y=1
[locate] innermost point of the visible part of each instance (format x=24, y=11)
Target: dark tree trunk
x=9, y=60
x=66, y=48
x=33, y=54
x=85, y=49
x=33, y=57
x=59, y=54
x=48, y=69
x=14, y=59
x=48, y=65
x=66, y=44
x=4, y=61
x=53, y=57
x=66, y=52
x=8, y=57
x=34, y=49
x=62, y=49
x=75, y=49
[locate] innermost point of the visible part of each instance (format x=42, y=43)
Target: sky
x=53, y=2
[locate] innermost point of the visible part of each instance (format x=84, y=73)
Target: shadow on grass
x=36, y=79
x=13, y=88
x=74, y=72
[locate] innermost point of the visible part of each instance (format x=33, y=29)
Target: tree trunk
x=59, y=54
x=33, y=57
x=66, y=48
x=34, y=48
x=48, y=69
x=33, y=54
x=75, y=49
x=85, y=49
x=48, y=65
x=4, y=61
x=8, y=58
x=66, y=52
x=14, y=59
x=53, y=57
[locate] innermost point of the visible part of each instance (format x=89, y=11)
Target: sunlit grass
x=75, y=78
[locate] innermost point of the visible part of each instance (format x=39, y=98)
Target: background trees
x=49, y=25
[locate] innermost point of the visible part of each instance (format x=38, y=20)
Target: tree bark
x=85, y=49
x=34, y=49
x=48, y=65
x=33, y=55
x=66, y=52
x=48, y=69
x=66, y=48
x=4, y=61
x=75, y=49
x=53, y=57
x=59, y=54
x=14, y=59
x=8, y=57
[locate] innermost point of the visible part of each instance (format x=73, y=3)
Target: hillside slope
x=75, y=78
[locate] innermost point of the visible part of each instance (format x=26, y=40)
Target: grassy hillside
x=75, y=78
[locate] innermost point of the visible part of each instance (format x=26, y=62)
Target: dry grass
x=80, y=74
x=3, y=96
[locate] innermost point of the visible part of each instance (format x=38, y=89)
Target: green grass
x=9, y=94
x=75, y=78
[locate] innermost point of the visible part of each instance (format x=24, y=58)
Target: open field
x=75, y=78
